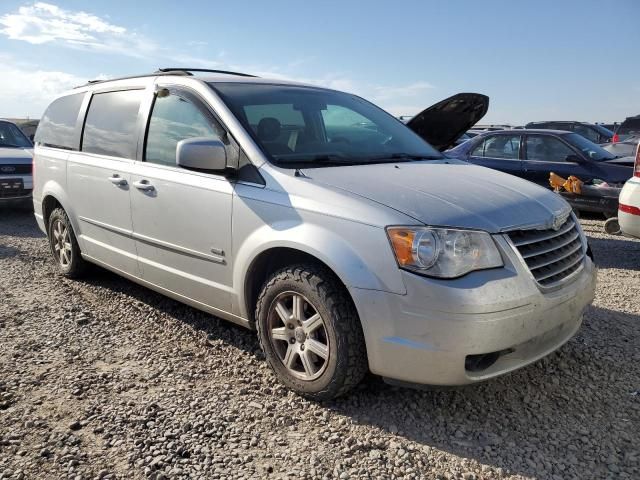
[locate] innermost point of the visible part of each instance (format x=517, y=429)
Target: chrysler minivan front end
x=454, y=331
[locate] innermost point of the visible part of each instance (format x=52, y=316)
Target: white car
x=629, y=203
x=16, y=154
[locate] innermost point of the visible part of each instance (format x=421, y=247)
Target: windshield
x=588, y=148
x=604, y=131
x=306, y=126
x=629, y=129
x=12, y=136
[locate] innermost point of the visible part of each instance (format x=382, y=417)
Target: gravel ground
x=104, y=379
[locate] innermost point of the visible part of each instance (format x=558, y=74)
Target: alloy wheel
x=298, y=334
x=61, y=243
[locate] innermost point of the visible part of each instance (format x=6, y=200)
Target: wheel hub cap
x=298, y=335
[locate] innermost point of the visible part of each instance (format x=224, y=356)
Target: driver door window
x=547, y=149
x=175, y=118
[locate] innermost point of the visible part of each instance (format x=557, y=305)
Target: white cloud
x=41, y=23
x=27, y=92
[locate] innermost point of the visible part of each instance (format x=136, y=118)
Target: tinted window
x=590, y=149
x=12, y=136
x=629, y=128
x=586, y=132
x=548, y=149
x=175, y=118
x=312, y=126
x=58, y=124
x=282, y=112
x=499, y=146
x=110, y=127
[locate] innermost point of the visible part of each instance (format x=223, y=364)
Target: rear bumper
x=629, y=218
x=438, y=329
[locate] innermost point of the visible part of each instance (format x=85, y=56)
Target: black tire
x=75, y=266
x=612, y=227
x=346, y=364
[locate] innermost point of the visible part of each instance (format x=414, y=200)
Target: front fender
x=359, y=254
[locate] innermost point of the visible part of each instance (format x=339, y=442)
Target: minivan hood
x=449, y=193
x=443, y=123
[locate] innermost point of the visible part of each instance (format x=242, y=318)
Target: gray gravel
x=104, y=379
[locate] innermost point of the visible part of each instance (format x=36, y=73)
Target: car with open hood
x=15, y=166
x=535, y=154
x=346, y=240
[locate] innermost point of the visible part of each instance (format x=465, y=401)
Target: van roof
x=205, y=75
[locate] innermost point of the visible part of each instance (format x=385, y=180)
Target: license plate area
x=11, y=187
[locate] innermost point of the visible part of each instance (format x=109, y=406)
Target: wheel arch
x=53, y=196
x=269, y=261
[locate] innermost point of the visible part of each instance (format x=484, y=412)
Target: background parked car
x=628, y=129
x=16, y=154
x=623, y=149
x=492, y=128
x=590, y=131
x=629, y=208
x=534, y=154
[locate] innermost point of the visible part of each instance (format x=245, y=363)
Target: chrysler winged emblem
x=559, y=219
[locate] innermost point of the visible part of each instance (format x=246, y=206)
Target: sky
x=536, y=60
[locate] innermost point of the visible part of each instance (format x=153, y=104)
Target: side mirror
x=202, y=153
x=573, y=159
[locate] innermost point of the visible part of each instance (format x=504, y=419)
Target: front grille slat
x=15, y=169
x=551, y=246
x=559, y=268
x=524, y=237
x=555, y=258
x=550, y=255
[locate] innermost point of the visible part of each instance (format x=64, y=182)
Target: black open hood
x=443, y=123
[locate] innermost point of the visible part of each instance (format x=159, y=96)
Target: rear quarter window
x=111, y=124
x=57, y=128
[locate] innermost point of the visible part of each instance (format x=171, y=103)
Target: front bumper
x=428, y=335
x=22, y=196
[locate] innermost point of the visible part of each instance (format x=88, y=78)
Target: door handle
x=144, y=185
x=117, y=180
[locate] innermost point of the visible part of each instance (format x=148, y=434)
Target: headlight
x=443, y=252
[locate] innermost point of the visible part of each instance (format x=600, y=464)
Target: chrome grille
x=551, y=255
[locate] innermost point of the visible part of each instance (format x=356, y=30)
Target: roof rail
x=189, y=70
x=167, y=71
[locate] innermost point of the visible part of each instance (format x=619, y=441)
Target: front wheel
x=310, y=332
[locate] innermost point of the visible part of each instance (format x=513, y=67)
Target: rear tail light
x=615, y=138
x=636, y=166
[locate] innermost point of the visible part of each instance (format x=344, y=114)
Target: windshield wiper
x=325, y=158
x=10, y=145
x=408, y=157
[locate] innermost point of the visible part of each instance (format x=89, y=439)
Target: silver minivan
x=344, y=237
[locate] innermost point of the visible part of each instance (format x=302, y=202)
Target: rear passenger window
x=57, y=128
x=173, y=119
x=499, y=146
x=110, y=127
